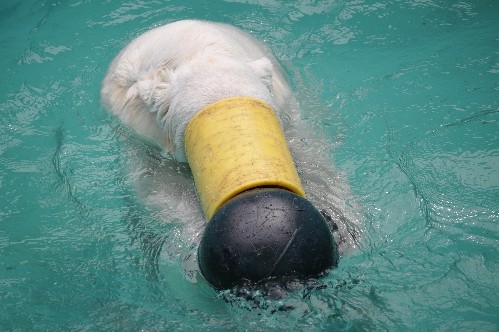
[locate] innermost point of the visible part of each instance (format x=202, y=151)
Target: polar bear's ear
x=263, y=68
x=154, y=91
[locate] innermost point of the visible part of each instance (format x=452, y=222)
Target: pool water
x=405, y=93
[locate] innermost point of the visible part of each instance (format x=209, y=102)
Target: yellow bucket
x=236, y=144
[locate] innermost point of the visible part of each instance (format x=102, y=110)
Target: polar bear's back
x=174, y=44
x=166, y=48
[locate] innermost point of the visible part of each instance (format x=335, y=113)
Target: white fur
x=162, y=78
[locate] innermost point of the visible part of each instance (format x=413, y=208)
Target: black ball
x=265, y=233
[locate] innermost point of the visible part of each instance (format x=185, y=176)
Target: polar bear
x=164, y=77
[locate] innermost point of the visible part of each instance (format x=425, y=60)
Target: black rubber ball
x=265, y=233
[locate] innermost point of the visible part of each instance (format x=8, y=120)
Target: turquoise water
x=407, y=94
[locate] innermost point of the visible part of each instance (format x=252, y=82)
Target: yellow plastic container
x=237, y=144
